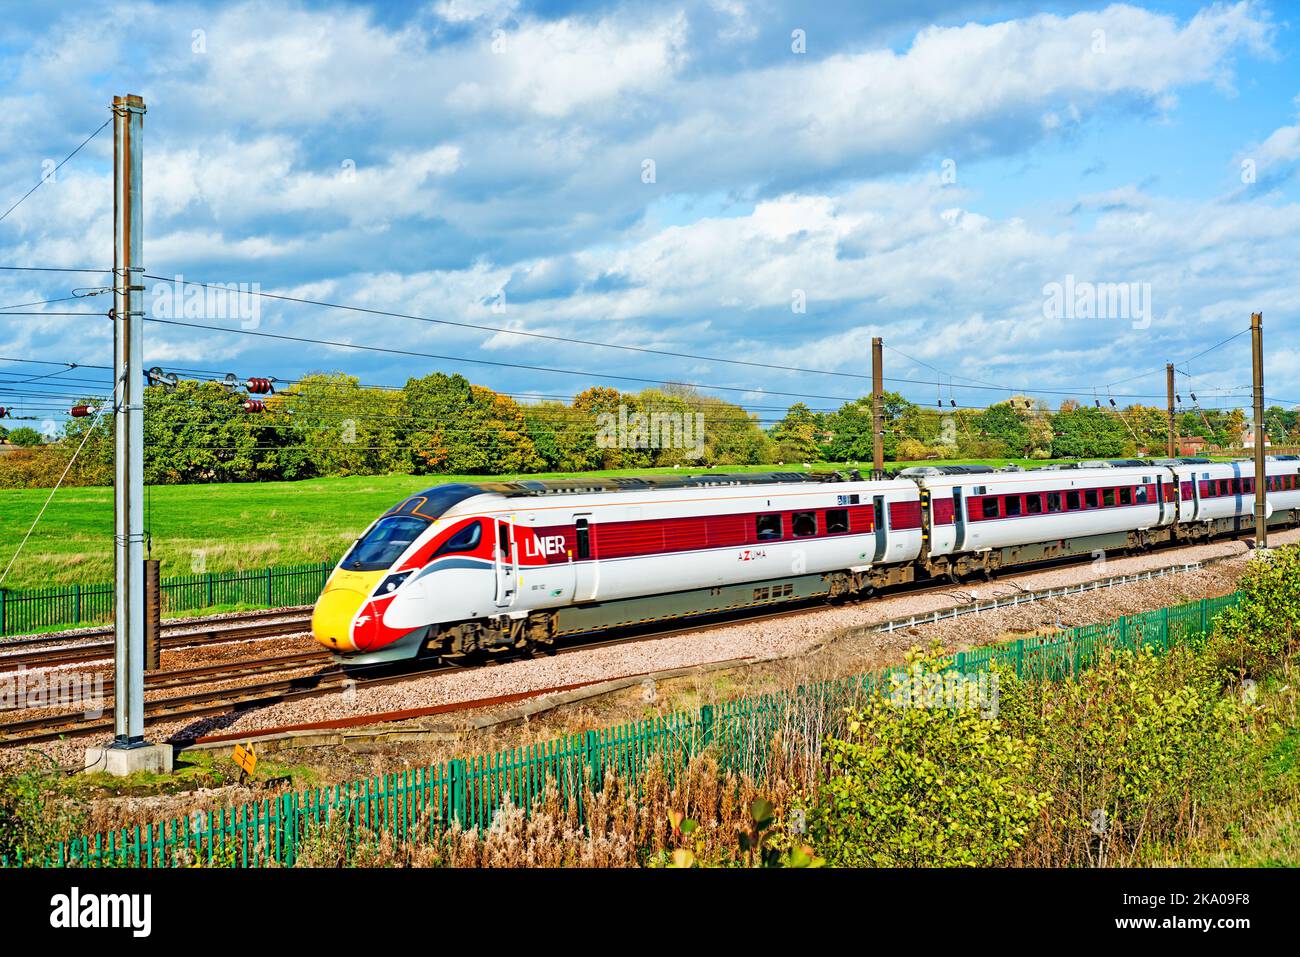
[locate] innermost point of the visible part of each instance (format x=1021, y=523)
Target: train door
x=504, y=563
x=958, y=521
x=586, y=570
x=880, y=525
x=1167, y=507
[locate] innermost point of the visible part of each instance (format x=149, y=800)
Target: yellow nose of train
x=337, y=607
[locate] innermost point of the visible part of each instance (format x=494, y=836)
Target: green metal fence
x=740, y=734
x=25, y=611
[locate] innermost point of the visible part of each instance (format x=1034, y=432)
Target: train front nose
x=331, y=621
x=334, y=621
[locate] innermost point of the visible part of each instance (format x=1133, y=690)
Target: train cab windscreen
x=383, y=545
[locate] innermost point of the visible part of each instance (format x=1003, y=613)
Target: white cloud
x=465, y=11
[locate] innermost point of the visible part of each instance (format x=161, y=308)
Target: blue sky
x=923, y=171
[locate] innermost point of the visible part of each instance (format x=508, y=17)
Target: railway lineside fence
x=741, y=734
x=24, y=611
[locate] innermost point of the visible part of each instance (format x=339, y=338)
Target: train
x=474, y=569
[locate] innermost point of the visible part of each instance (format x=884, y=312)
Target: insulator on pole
x=254, y=405
x=156, y=376
x=260, y=386
x=6, y=413
x=81, y=411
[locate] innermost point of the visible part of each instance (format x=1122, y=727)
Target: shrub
x=1131, y=751
x=1263, y=627
x=34, y=814
x=924, y=786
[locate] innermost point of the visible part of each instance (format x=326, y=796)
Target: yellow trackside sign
x=246, y=758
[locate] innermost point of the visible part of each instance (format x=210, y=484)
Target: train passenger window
x=1108, y=497
x=1053, y=501
x=1033, y=504
x=990, y=507
x=837, y=521
x=1141, y=495
x=767, y=528
x=803, y=524
x=466, y=540
x=1013, y=505
x=1090, y=498
x=1072, y=501
x=1126, y=496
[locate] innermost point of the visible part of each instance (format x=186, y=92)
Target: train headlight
x=392, y=583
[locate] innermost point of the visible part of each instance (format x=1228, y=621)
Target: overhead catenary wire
x=49, y=498
x=50, y=174
x=503, y=330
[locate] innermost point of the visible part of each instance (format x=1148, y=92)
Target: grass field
x=225, y=527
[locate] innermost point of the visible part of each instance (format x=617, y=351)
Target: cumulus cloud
x=428, y=165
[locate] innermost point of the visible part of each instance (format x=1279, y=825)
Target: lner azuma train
x=466, y=568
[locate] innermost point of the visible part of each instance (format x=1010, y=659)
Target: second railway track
x=48, y=652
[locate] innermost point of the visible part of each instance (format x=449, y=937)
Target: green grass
x=220, y=528
x=193, y=770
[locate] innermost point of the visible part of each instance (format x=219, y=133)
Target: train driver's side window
x=767, y=528
x=466, y=540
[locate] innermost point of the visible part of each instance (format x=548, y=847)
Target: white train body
x=471, y=567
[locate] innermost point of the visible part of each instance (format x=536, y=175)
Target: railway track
x=47, y=652
x=331, y=679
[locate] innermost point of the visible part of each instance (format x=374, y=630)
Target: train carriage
x=466, y=568
x=982, y=519
x=462, y=568
x=1219, y=497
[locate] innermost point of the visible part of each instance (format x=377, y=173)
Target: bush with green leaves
x=1132, y=751
x=925, y=786
x=34, y=814
x=1264, y=626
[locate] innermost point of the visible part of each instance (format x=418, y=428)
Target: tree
x=797, y=433
x=199, y=432
x=330, y=424
x=454, y=427
x=1085, y=433
x=1005, y=428
x=849, y=429
x=25, y=437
